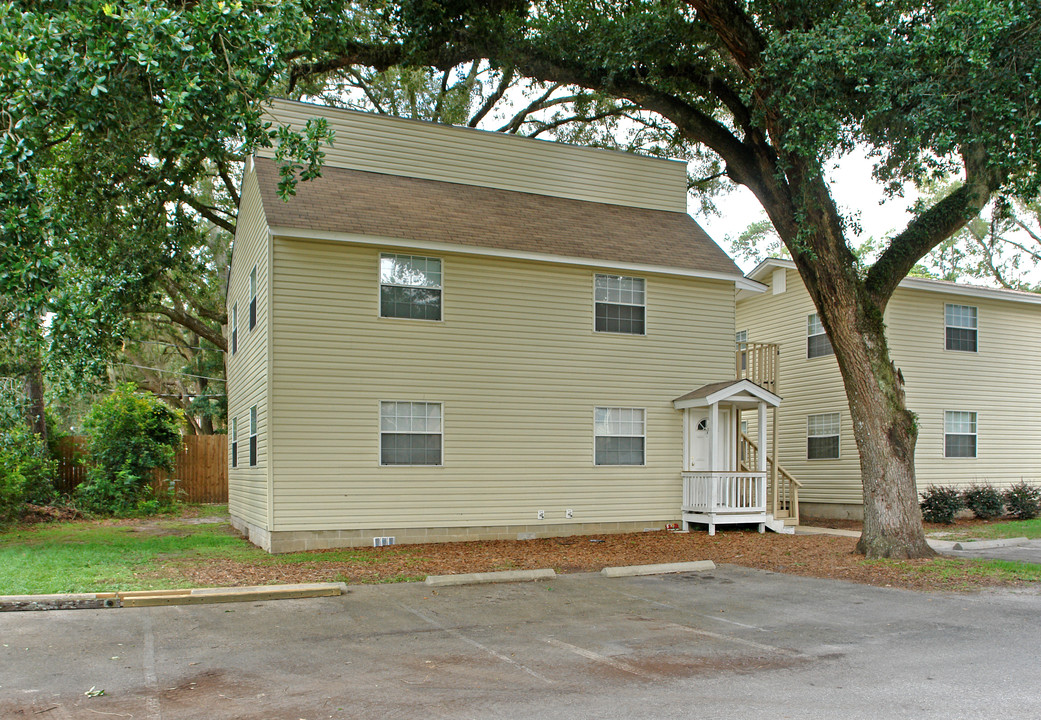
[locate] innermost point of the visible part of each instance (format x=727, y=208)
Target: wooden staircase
x=759, y=362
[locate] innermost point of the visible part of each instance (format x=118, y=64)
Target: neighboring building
x=971, y=361
x=455, y=334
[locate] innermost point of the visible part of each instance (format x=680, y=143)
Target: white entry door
x=701, y=438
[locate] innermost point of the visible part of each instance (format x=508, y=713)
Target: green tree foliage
x=130, y=435
x=27, y=471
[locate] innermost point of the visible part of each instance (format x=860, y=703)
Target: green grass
x=1014, y=528
x=958, y=573
x=90, y=556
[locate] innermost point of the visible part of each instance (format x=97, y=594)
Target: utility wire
x=175, y=345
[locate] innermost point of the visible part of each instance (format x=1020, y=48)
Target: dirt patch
x=34, y=514
x=810, y=555
x=959, y=524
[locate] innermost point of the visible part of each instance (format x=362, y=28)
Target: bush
x=130, y=435
x=985, y=501
x=27, y=471
x=941, y=504
x=1023, y=501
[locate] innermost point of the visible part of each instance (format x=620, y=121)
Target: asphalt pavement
x=727, y=643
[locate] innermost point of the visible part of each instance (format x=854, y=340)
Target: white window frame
x=608, y=302
x=975, y=326
x=837, y=434
x=254, y=442
x=975, y=435
x=234, y=433
x=380, y=284
x=441, y=432
x=810, y=319
x=253, y=309
x=597, y=434
x=234, y=328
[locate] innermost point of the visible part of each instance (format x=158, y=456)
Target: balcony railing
x=758, y=362
x=724, y=492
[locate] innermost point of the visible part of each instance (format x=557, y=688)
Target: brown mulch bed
x=959, y=524
x=810, y=555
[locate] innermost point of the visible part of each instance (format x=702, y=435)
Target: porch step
x=779, y=526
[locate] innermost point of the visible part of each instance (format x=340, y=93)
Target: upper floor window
x=619, y=436
x=959, y=434
x=960, y=327
x=741, y=338
x=817, y=342
x=620, y=304
x=410, y=287
x=822, y=436
x=410, y=433
x=234, y=328
x=253, y=298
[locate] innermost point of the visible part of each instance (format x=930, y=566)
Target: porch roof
x=738, y=392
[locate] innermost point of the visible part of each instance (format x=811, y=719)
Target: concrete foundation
x=285, y=541
x=829, y=511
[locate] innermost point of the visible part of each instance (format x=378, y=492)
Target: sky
x=853, y=188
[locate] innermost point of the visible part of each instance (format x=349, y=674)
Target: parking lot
x=710, y=645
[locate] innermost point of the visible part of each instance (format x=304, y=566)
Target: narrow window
x=619, y=436
x=252, y=298
x=234, y=328
x=253, y=436
x=410, y=433
x=410, y=287
x=620, y=304
x=742, y=347
x=822, y=436
x=234, y=442
x=960, y=326
x=817, y=342
x=959, y=434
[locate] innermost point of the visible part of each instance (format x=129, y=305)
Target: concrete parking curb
x=491, y=577
x=990, y=544
x=188, y=596
x=662, y=569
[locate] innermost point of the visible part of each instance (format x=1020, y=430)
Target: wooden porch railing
x=724, y=492
x=758, y=362
x=783, y=496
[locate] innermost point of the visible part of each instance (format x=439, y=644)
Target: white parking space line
x=597, y=657
x=456, y=634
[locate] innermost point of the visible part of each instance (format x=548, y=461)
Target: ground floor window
x=410, y=433
x=959, y=434
x=822, y=436
x=619, y=436
x=234, y=442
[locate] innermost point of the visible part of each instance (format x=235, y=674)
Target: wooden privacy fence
x=200, y=467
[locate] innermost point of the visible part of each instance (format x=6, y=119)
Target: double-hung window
x=620, y=304
x=253, y=298
x=960, y=327
x=619, y=436
x=742, y=347
x=410, y=287
x=253, y=436
x=817, y=342
x=234, y=432
x=234, y=328
x=822, y=436
x=410, y=433
x=959, y=434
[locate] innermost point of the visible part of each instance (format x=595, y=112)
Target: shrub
x=985, y=501
x=130, y=435
x=941, y=504
x=1023, y=501
x=27, y=471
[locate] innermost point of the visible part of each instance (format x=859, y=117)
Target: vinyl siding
x=410, y=148
x=1001, y=382
x=247, y=369
x=519, y=371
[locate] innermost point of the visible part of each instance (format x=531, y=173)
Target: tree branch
x=495, y=97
